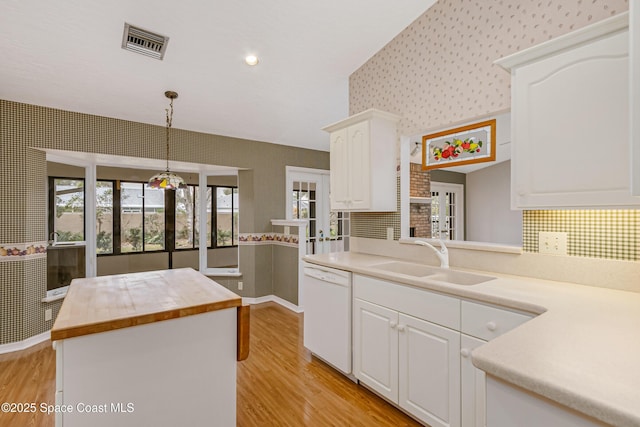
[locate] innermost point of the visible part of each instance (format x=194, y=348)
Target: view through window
x=131, y=218
x=66, y=224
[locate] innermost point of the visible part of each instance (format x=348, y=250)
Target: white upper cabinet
x=571, y=120
x=634, y=48
x=363, y=162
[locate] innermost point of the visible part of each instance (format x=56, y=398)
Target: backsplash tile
x=374, y=224
x=613, y=234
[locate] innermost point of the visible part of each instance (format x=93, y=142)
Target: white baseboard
x=273, y=298
x=21, y=345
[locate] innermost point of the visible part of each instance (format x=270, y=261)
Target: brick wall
x=420, y=213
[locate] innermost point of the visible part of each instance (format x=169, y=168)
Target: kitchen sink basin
x=460, y=277
x=453, y=277
x=408, y=268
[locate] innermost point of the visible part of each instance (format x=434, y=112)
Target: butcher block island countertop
x=100, y=304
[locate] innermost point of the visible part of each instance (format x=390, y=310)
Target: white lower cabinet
x=376, y=348
x=480, y=323
x=473, y=385
x=413, y=347
x=410, y=361
x=509, y=405
x=429, y=366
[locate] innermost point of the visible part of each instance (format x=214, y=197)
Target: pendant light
x=167, y=180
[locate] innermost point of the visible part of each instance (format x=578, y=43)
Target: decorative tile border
x=268, y=239
x=22, y=251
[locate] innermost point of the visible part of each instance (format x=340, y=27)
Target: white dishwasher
x=327, y=315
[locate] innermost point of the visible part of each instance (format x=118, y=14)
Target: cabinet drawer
x=420, y=303
x=486, y=322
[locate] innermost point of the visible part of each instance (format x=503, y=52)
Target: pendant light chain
x=169, y=121
x=167, y=180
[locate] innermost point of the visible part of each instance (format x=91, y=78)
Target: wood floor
x=28, y=376
x=280, y=384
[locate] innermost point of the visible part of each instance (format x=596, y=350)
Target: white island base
x=177, y=372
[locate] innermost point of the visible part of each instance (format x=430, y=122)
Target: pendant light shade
x=167, y=180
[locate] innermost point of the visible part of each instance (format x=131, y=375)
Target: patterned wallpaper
x=26, y=129
x=439, y=71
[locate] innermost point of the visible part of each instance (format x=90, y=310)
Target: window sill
x=222, y=272
x=56, y=294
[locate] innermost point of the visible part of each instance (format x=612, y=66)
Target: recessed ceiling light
x=251, y=59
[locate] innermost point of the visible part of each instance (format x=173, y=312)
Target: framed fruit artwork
x=475, y=143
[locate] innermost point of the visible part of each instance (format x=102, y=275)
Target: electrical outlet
x=240, y=284
x=389, y=233
x=552, y=243
x=48, y=314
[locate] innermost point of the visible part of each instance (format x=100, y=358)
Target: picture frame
x=465, y=145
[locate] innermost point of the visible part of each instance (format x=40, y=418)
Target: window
x=187, y=217
x=142, y=224
x=304, y=207
x=66, y=216
x=104, y=217
x=226, y=218
x=131, y=218
x=186, y=212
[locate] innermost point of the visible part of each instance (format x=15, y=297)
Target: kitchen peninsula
x=152, y=348
x=573, y=364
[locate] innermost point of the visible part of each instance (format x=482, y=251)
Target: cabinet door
x=375, y=348
x=338, y=177
x=571, y=128
x=429, y=368
x=359, y=181
x=474, y=391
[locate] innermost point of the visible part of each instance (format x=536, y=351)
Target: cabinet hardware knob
x=492, y=326
x=393, y=325
x=401, y=328
x=465, y=352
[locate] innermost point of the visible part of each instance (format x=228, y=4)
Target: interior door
x=447, y=211
x=308, y=198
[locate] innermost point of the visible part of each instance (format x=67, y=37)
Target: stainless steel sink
x=460, y=277
x=407, y=268
x=453, y=277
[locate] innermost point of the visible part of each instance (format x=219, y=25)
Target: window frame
x=51, y=215
x=117, y=195
x=214, y=217
x=168, y=228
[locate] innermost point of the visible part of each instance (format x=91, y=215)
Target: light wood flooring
x=280, y=384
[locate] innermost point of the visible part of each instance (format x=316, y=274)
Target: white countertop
x=582, y=350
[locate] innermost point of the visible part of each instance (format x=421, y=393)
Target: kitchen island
x=155, y=348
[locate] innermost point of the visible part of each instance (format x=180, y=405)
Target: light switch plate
x=48, y=314
x=554, y=243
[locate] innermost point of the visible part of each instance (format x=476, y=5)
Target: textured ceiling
x=67, y=55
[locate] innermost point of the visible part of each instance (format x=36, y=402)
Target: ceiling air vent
x=144, y=42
